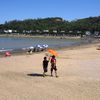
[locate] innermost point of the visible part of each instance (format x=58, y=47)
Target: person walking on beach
x=45, y=66
x=53, y=66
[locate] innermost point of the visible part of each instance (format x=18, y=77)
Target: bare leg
x=51, y=73
x=56, y=74
x=43, y=74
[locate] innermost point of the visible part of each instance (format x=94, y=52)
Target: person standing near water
x=53, y=66
x=45, y=66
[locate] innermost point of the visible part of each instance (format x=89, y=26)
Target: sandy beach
x=78, y=69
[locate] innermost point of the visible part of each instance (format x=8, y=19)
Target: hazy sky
x=67, y=9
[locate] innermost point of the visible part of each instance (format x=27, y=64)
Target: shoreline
x=72, y=47
x=40, y=36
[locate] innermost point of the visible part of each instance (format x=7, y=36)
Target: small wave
x=4, y=50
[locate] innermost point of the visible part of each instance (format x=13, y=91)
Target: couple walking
x=52, y=60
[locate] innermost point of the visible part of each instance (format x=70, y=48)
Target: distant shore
x=40, y=36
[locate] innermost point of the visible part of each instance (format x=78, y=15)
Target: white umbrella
x=45, y=45
x=31, y=47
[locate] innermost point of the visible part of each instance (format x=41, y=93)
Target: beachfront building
x=8, y=31
x=54, y=31
x=38, y=31
x=70, y=31
x=46, y=31
x=27, y=31
x=62, y=31
x=96, y=33
x=14, y=31
x=79, y=32
x=88, y=33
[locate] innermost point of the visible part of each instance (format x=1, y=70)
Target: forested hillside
x=52, y=25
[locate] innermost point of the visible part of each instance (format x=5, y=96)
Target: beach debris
x=40, y=47
x=98, y=48
x=7, y=53
x=37, y=48
x=45, y=45
x=30, y=49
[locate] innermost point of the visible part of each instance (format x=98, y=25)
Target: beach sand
x=78, y=69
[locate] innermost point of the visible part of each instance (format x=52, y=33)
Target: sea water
x=12, y=43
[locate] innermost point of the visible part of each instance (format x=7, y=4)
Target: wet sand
x=78, y=69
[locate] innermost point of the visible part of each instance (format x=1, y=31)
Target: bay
x=23, y=42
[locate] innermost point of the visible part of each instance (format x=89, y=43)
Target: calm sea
x=17, y=43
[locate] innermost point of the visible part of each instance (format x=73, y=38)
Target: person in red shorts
x=53, y=66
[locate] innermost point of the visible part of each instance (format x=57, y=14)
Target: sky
x=33, y=9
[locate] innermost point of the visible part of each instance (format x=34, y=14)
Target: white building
x=46, y=31
x=8, y=31
x=88, y=33
x=54, y=31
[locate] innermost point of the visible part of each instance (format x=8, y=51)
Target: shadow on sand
x=35, y=75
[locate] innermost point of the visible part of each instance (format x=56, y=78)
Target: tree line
x=54, y=25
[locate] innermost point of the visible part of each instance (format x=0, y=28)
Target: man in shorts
x=45, y=66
